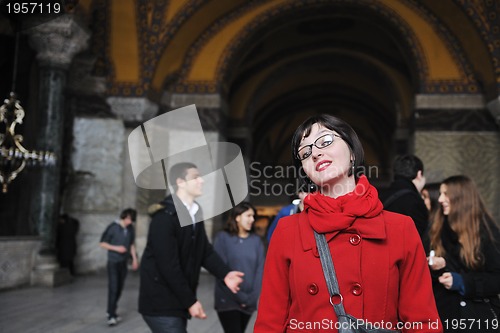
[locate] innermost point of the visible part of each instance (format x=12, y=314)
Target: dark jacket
x=171, y=263
x=482, y=285
x=410, y=203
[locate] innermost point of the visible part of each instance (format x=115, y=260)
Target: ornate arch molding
x=486, y=17
x=465, y=82
x=404, y=18
x=157, y=23
x=212, y=84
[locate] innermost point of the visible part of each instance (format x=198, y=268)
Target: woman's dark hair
x=231, y=224
x=433, y=191
x=343, y=129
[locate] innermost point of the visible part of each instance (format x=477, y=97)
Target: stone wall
x=95, y=190
x=17, y=255
x=475, y=154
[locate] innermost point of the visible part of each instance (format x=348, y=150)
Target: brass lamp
x=14, y=157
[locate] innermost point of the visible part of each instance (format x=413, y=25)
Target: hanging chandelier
x=14, y=157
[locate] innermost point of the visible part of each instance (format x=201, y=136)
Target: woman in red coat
x=378, y=256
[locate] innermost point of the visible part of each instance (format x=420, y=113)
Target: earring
x=311, y=187
x=351, y=171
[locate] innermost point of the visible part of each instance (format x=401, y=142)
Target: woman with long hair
x=466, y=266
x=378, y=256
x=241, y=249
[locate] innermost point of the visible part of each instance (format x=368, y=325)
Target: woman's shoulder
x=290, y=221
x=222, y=235
x=288, y=225
x=255, y=238
x=395, y=218
x=490, y=232
x=399, y=226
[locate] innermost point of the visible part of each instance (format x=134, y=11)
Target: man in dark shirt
x=118, y=239
x=403, y=196
x=174, y=255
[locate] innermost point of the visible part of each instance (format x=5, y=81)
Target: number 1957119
x=33, y=8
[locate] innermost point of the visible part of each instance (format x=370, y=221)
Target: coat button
x=355, y=239
x=356, y=289
x=312, y=288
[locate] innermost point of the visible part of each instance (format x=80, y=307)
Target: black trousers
x=117, y=272
x=166, y=324
x=234, y=321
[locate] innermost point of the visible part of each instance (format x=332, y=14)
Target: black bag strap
x=336, y=299
x=348, y=323
x=387, y=202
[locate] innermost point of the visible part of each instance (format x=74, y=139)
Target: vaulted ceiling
x=273, y=63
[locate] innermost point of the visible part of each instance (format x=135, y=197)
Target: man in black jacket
x=174, y=255
x=403, y=196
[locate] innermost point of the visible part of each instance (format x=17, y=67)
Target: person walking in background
x=118, y=239
x=67, y=229
x=174, y=255
x=466, y=265
x=378, y=256
x=296, y=206
x=241, y=250
x=403, y=195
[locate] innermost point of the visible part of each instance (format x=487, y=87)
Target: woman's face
x=245, y=220
x=328, y=165
x=444, y=200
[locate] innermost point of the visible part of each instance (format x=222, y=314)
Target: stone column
x=213, y=117
x=494, y=107
x=134, y=111
x=56, y=42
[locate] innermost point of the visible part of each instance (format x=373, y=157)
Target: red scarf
x=327, y=214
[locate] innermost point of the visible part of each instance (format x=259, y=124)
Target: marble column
x=56, y=42
x=134, y=111
x=494, y=108
x=213, y=117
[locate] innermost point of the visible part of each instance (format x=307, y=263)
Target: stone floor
x=79, y=307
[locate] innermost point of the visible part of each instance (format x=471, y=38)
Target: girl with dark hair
x=379, y=259
x=466, y=268
x=430, y=195
x=241, y=250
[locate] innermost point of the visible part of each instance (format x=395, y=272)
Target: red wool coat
x=381, y=269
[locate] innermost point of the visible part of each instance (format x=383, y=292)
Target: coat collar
x=370, y=228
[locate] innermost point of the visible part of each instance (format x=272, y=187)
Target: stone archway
x=268, y=65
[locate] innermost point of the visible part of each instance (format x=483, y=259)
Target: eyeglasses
x=320, y=143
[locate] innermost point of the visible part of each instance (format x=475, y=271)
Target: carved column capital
x=58, y=41
x=494, y=108
x=132, y=108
